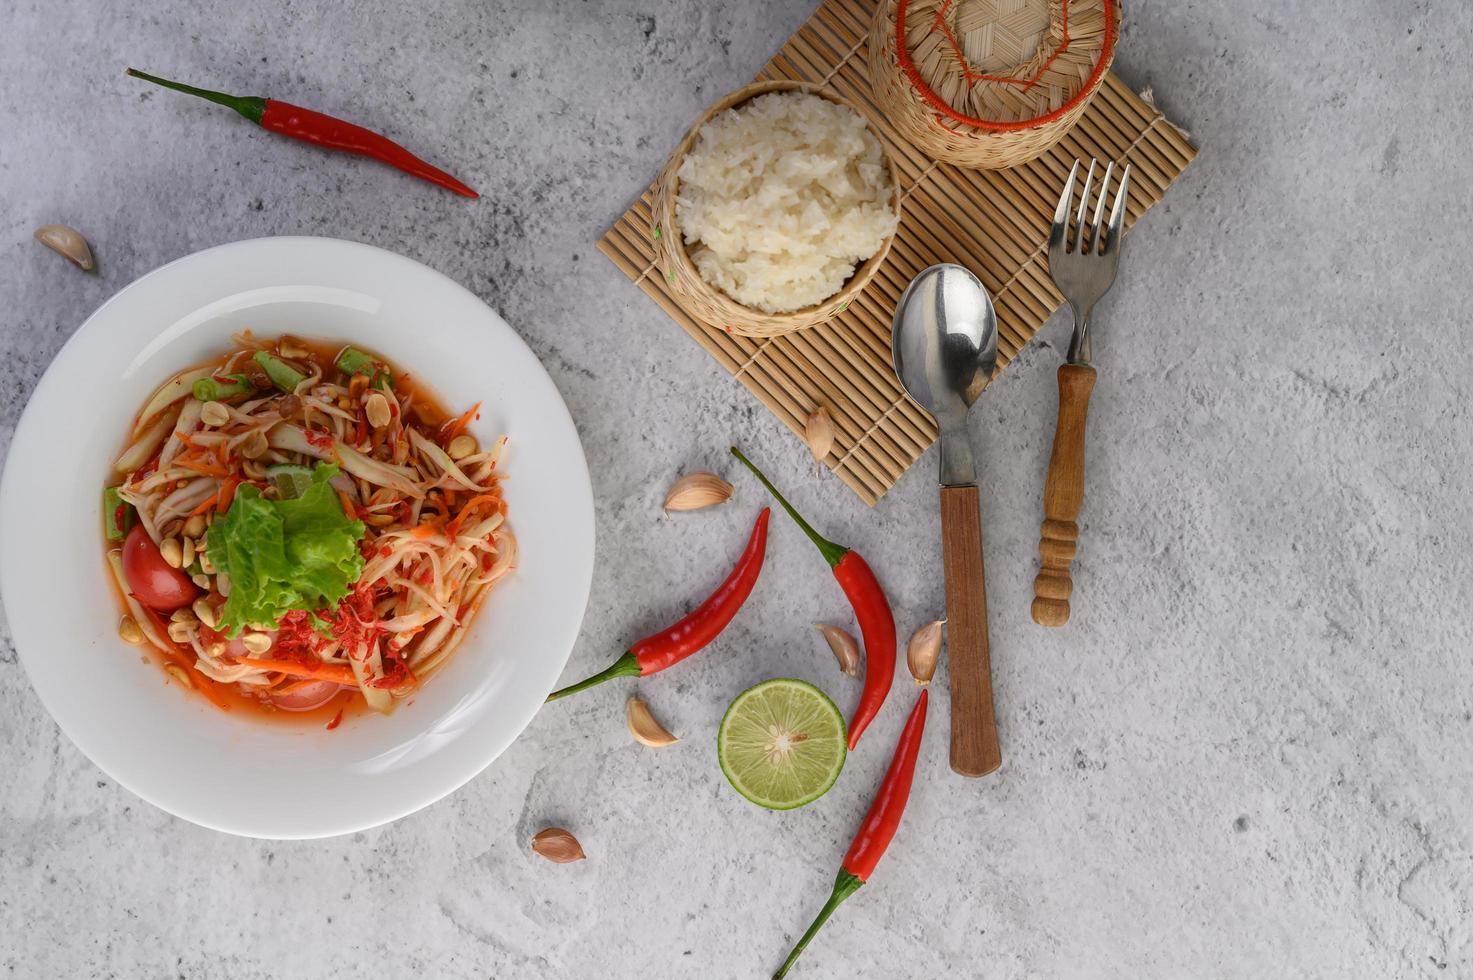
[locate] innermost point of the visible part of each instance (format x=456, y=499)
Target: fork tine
x=1061, y=213
x=1117, y=213
x=1094, y=226
x=1083, y=208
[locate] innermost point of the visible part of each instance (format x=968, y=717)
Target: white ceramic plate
x=226, y=770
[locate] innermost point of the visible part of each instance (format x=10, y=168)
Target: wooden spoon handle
x=974, y=748
x=1063, y=495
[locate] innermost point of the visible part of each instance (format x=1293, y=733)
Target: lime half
x=291, y=480
x=782, y=743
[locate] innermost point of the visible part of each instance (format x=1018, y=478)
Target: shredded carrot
x=184, y=438
x=201, y=458
x=426, y=530
x=227, y=493
x=210, y=502
x=200, y=466
x=337, y=673
x=454, y=526
x=348, y=509
x=490, y=498
x=455, y=428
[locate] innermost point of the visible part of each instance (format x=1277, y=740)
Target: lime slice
x=782, y=743
x=291, y=481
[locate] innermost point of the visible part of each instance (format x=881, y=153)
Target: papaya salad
x=296, y=526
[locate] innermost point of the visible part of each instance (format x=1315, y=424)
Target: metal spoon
x=945, y=348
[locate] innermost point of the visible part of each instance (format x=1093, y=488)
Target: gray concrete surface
x=1247, y=757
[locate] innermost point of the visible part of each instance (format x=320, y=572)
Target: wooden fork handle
x=1063, y=495
x=974, y=748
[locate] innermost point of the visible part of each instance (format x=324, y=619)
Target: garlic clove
x=645, y=729
x=68, y=242
x=818, y=432
x=558, y=846
x=696, y=490
x=923, y=650
x=846, y=649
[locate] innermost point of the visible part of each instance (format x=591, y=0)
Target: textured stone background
x=1248, y=755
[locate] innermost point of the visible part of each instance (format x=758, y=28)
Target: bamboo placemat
x=994, y=222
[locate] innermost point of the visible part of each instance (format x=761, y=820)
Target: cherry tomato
x=307, y=697
x=151, y=580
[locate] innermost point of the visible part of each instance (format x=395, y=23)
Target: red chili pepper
x=878, y=828
x=321, y=130
x=670, y=646
x=871, y=608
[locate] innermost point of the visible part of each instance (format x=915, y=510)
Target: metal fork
x=1082, y=258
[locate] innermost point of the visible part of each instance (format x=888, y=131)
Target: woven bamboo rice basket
x=989, y=83
x=706, y=301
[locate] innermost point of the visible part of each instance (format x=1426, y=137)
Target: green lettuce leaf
x=285, y=554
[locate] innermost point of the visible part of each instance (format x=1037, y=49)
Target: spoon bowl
x=945, y=350
x=944, y=346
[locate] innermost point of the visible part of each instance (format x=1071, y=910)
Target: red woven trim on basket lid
x=973, y=77
x=902, y=54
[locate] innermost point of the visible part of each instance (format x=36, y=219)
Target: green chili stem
x=251, y=106
x=832, y=553
x=845, y=885
x=625, y=666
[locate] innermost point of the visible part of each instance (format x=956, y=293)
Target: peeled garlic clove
x=846, y=649
x=645, y=729
x=68, y=242
x=818, y=432
x=558, y=846
x=923, y=650
x=696, y=490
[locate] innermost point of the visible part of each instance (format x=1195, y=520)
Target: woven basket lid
x=1005, y=64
